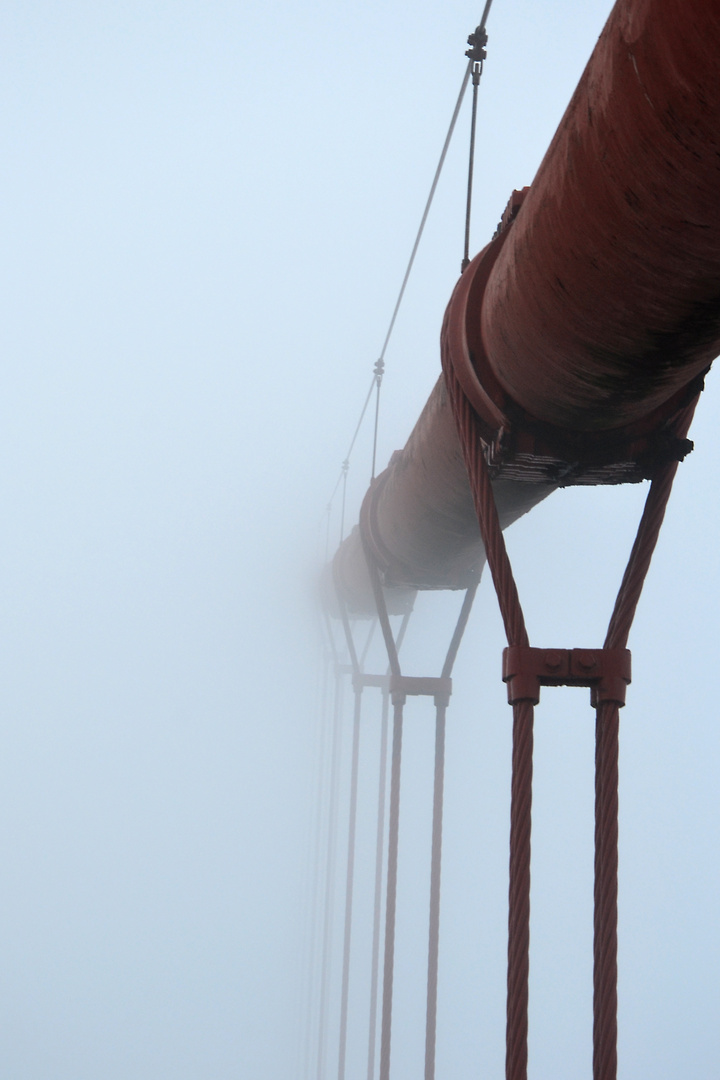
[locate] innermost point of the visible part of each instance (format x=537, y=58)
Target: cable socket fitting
x=477, y=42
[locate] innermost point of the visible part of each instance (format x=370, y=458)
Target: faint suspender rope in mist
x=379, y=367
x=375, y=385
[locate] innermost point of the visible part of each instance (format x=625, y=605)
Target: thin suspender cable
x=441, y=162
x=349, y=882
x=379, y=851
x=393, y=832
x=324, y=738
x=436, y=856
x=377, y=375
x=428, y=204
x=459, y=630
x=523, y=717
x=347, y=932
x=346, y=466
x=327, y=534
x=379, y=846
x=379, y=368
x=476, y=73
x=346, y=462
x=476, y=53
x=330, y=879
x=381, y=608
x=398, y=699
x=387, y=632
x=398, y=702
x=516, y=1038
x=435, y=867
x=607, y=728
x=368, y=642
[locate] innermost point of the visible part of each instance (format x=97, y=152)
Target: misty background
x=207, y=209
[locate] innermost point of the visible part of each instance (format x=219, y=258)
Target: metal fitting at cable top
x=477, y=41
x=378, y=370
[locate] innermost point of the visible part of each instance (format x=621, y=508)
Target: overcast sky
x=207, y=209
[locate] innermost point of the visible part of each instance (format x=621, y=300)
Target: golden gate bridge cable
x=330, y=872
x=323, y=692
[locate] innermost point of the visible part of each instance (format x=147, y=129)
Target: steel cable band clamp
x=607, y=672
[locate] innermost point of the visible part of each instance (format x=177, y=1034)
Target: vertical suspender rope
x=330, y=879
x=476, y=40
x=477, y=54
x=347, y=932
x=522, y=756
x=441, y=705
x=522, y=753
x=325, y=737
x=433, y=186
x=379, y=851
x=441, y=693
x=357, y=664
x=476, y=73
x=378, y=369
x=398, y=700
x=349, y=881
x=606, y=787
x=606, y=757
x=345, y=467
x=435, y=868
x=377, y=907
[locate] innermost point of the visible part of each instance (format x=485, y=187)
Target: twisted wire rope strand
x=391, y=901
x=489, y=522
x=607, y=744
x=605, y=892
x=523, y=715
x=642, y=552
x=315, y=929
x=519, y=893
x=328, y=907
x=349, y=884
x=436, y=843
x=382, y=794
